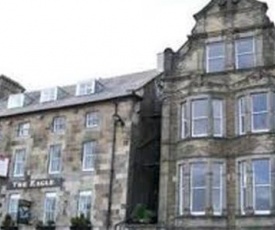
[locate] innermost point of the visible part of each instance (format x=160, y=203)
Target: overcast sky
x=45, y=43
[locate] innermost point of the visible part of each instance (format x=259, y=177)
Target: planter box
x=9, y=228
x=81, y=228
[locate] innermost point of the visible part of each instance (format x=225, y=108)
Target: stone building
x=75, y=149
x=217, y=167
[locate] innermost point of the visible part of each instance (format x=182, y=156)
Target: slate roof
x=114, y=87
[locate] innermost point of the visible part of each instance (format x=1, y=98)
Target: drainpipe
x=116, y=120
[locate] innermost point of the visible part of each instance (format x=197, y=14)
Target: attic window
x=16, y=100
x=49, y=94
x=85, y=88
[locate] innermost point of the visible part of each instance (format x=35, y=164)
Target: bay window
x=217, y=184
x=217, y=117
x=259, y=112
x=198, y=188
x=255, y=111
x=260, y=187
x=199, y=117
x=242, y=114
x=202, y=117
x=201, y=187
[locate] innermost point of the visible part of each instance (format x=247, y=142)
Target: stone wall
x=74, y=179
x=188, y=80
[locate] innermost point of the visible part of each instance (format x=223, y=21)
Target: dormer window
x=49, y=94
x=85, y=88
x=215, y=57
x=16, y=100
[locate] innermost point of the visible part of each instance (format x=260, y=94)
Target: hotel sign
x=37, y=183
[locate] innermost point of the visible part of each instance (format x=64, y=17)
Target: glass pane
x=242, y=124
x=259, y=102
x=246, y=61
x=260, y=121
x=245, y=45
x=216, y=200
x=261, y=172
x=217, y=108
x=200, y=127
x=217, y=173
x=198, y=175
x=184, y=120
x=262, y=198
x=217, y=127
x=241, y=105
x=215, y=49
x=242, y=168
x=216, y=65
x=200, y=108
x=198, y=201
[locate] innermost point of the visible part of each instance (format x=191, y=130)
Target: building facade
x=218, y=145
x=72, y=149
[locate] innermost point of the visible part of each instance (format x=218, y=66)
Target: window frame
x=261, y=212
x=51, y=152
x=267, y=111
x=242, y=167
x=253, y=52
x=241, y=123
x=16, y=101
x=186, y=111
x=90, y=117
x=86, y=193
x=49, y=94
x=192, y=188
x=221, y=118
x=92, y=155
x=194, y=119
x=181, y=190
x=85, y=88
x=21, y=162
x=50, y=195
x=23, y=131
x=247, y=206
x=208, y=59
x=13, y=213
x=220, y=187
x=184, y=120
x=56, y=124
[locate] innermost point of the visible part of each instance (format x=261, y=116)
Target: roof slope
x=114, y=87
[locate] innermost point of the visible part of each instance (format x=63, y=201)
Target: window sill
x=248, y=134
x=190, y=216
x=235, y=70
x=202, y=138
x=239, y=216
